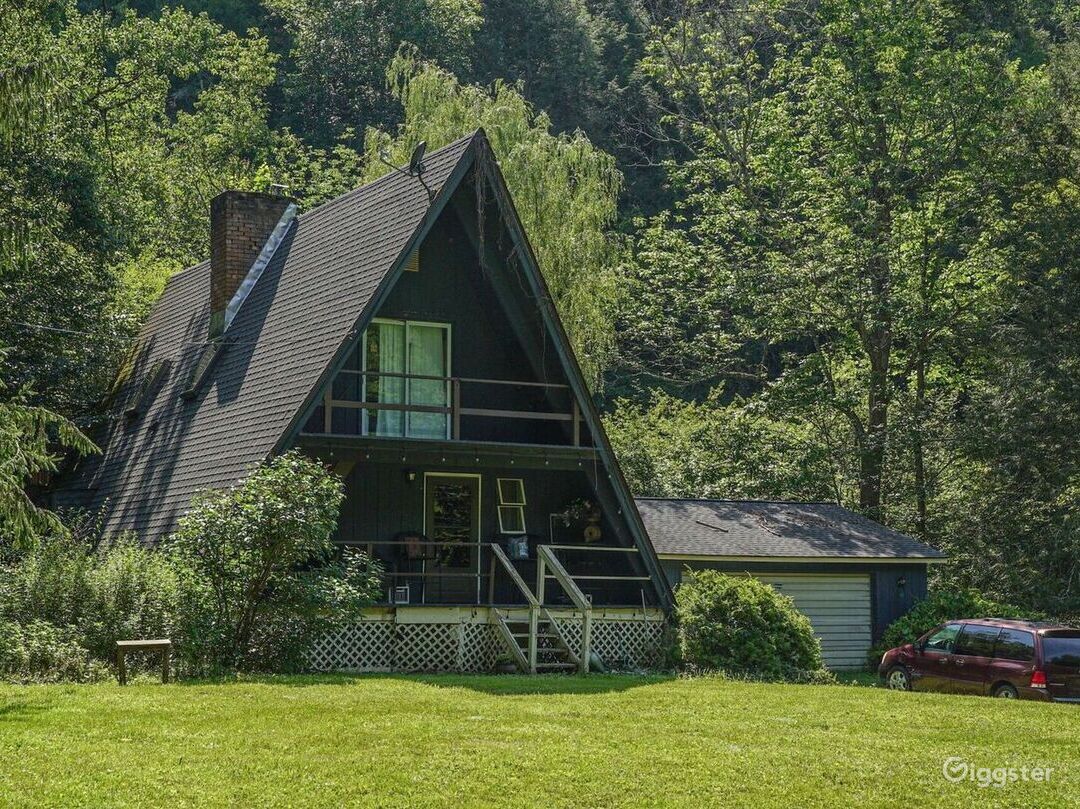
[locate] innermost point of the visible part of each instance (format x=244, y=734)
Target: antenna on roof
x=416, y=161
x=416, y=165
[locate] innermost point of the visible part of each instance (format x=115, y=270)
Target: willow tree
x=565, y=189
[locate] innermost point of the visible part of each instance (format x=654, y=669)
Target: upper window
x=943, y=640
x=407, y=366
x=511, y=505
x=977, y=641
x=1015, y=644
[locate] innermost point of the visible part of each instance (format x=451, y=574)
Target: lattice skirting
x=389, y=646
x=621, y=644
x=382, y=645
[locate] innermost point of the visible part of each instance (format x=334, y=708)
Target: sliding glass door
x=394, y=351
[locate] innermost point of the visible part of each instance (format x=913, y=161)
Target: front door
x=452, y=518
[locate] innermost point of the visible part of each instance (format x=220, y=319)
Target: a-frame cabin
x=403, y=334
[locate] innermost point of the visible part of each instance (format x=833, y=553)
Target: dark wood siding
x=382, y=502
x=496, y=334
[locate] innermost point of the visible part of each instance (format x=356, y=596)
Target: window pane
x=427, y=357
x=1015, y=644
x=1061, y=650
x=385, y=357
x=943, y=639
x=511, y=492
x=977, y=641
x=512, y=519
x=452, y=510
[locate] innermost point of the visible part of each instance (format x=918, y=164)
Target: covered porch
x=490, y=551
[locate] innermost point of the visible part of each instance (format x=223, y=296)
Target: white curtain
x=427, y=357
x=391, y=354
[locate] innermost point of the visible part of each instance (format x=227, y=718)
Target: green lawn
x=518, y=741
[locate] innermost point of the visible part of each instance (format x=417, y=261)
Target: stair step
x=538, y=634
x=556, y=665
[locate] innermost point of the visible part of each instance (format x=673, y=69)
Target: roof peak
x=477, y=135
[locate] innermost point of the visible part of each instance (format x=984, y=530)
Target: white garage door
x=838, y=605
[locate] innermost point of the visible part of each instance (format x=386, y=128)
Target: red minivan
x=1002, y=658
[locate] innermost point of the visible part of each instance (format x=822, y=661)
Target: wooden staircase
x=537, y=643
x=547, y=646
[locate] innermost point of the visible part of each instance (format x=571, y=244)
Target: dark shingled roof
x=740, y=528
x=303, y=309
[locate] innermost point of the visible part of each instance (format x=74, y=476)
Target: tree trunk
x=920, y=453
x=872, y=454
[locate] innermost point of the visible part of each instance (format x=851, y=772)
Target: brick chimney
x=240, y=224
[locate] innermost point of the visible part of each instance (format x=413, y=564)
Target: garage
x=849, y=575
x=838, y=606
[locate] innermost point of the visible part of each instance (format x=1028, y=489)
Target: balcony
x=384, y=405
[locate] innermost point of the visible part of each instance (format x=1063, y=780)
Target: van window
x=943, y=639
x=977, y=641
x=1061, y=650
x=1015, y=644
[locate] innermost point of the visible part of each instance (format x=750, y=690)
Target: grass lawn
x=517, y=741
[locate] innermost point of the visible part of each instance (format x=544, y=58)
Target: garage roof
x=768, y=529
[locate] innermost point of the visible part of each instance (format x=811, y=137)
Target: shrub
x=742, y=626
x=257, y=580
x=64, y=605
x=939, y=607
x=132, y=593
x=47, y=582
x=42, y=652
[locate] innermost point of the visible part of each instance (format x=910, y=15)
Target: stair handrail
x=547, y=558
x=581, y=601
x=514, y=575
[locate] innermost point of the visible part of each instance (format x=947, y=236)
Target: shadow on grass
x=20, y=710
x=495, y=684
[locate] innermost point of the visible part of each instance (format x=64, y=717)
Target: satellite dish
x=416, y=162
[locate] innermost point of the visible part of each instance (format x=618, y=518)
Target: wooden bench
x=124, y=646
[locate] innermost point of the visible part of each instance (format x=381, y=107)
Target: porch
x=550, y=627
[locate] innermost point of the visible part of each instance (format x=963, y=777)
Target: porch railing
x=449, y=404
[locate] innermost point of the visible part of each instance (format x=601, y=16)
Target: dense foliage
x=244, y=584
x=803, y=249
x=869, y=253
x=64, y=604
x=941, y=606
x=257, y=576
x=739, y=625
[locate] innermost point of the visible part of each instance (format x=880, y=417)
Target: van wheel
x=898, y=679
x=1005, y=691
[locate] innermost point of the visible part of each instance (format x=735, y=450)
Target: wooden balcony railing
x=362, y=396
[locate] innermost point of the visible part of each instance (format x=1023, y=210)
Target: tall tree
x=334, y=78
x=842, y=202
x=565, y=189
x=149, y=119
x=29, y=436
